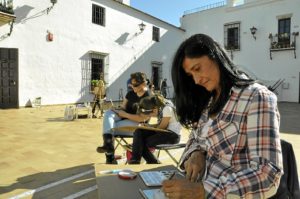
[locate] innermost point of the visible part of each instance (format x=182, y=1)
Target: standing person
x=127, y=116
x=164, y=87
x=152, y=88
x=155, y=106
x=100, y=95
x=234, y=148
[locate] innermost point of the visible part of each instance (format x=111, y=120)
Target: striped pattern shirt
x=243, y=146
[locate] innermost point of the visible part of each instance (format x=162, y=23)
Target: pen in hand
x=170, y=178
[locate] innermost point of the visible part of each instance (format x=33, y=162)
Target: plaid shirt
x=243, y=146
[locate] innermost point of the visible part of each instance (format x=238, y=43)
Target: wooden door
x=9, y=97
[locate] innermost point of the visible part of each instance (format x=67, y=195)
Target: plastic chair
x=37, y=102
x=83, y=107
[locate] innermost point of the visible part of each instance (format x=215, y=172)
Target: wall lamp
x=53, y=2
x=253, y=31
x=142, y=26
x=50, y=8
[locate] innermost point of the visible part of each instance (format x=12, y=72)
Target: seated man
x=125, y=117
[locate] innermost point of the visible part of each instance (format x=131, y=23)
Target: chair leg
x=76, y=113
x=158, y=153
x=120, y=142
x=171, y=156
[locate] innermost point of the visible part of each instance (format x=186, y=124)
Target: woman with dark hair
x=234, y=148
x=143, y=139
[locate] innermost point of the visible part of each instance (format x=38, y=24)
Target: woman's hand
x=183, y=188
x=194, y=166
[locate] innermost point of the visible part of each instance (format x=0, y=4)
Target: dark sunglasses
x=136, y=85
x=146, y=111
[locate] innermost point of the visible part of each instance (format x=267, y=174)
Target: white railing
x=206, y=7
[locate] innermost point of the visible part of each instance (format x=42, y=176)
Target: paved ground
x=43, y=156
x=290, y=118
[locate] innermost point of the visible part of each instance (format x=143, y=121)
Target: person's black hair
x=139, y=77
x=147, y=104
x=191, y=99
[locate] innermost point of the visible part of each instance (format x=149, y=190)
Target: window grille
x=232, y=36
x=155, y=34
x=98, y=15
x=97, y=66
x=284, y=32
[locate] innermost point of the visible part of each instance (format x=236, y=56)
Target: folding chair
x=167, y=148
x=121, y=140
x=120, y=135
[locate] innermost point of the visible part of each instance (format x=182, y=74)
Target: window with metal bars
x=232, y=36
x=98, y=15
x=97, y=68
x=155, y=33
x=284, y=31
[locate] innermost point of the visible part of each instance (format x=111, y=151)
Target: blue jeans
x=112, y=120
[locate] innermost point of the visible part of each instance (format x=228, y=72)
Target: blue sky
x=169, y=10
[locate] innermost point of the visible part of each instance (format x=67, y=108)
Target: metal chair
x=167, y=148
x=121, y=141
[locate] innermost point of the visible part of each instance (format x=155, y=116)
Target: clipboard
x=133, y=128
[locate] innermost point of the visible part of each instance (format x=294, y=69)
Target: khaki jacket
x=99, y=91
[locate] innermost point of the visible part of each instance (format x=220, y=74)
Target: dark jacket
x=289, y=184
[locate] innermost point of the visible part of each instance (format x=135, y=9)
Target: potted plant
x=94, y=84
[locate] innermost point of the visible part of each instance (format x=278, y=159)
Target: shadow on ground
x=289, y=117
x=50, y=184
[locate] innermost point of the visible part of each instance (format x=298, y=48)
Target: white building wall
x=56, y=70
x=254, y=54
x=127, y=2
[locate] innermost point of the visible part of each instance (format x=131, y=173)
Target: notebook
x=152, y=194
x=155, y=178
